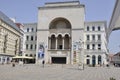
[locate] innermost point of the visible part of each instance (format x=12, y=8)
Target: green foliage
x=112, y=78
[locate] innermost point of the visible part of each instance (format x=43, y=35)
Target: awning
x=22, y=57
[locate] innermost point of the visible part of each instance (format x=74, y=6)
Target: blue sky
x=25, y=11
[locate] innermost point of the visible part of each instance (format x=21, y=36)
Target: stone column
x=63, y=43
x=70, y=45
x=49, y=43
x=56, y=43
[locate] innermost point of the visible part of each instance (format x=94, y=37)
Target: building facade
x=63, y=36
x=60, y=24
x=9, y=39
x=95, y=50
x=115, y=19
x=30, y=39
x=22, y=40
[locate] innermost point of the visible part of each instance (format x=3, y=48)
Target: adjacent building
x=30, y=39
x=9, y=39
x=115, y=19
x=22, y=39
x=116, y=59
x=95, y=50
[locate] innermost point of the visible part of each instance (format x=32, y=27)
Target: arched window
x=66, y=41
x=31, y=38
x=53, y=42
x=93, y=60
x=88, y=56
x=59, y=39
x=99, y=59
x=26, y=54
x=30, y=55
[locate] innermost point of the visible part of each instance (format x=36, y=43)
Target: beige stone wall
x=12, y=39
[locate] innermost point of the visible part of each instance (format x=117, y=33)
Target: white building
x=63, y=36
x=30, y=39
x=95, y=46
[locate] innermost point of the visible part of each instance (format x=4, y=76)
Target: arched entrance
x=88, y=60
x=61, y=40
x=53, y=41
x=99, y=59
x=93, y=60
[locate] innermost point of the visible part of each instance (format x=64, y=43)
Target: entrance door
x=93, y=60
x=88, y=61
x=59, y=60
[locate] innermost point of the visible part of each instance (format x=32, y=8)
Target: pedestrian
x=13, y=63
x=43, y=62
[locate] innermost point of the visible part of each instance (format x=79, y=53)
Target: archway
x=53, y=42
x=66, y=41
x=59, y=43
x=93, y=60
x=99, y=59
x=60, y=23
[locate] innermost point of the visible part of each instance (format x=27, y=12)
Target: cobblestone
x=57, y=72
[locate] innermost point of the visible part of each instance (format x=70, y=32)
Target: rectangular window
x=88, y=46
x=99, y=28
x=35, y=38
x=93, y=28
x=99, y=46
x=88, y=29
x=31, y=38
x=88, y=37
x=31, y=46
x=27, y=38
x=35, y=46
x=99, y=37
x=93, y=46
x=27, y=29
x=93, y=37
x=27, y=46
x=32, y=30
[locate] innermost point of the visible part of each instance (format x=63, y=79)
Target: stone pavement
x=57, y=72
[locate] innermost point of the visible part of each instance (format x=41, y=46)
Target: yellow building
x=9, y=39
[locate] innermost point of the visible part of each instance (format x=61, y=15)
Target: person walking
x=43, y=62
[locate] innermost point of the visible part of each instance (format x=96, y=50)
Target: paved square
x=57, y=72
